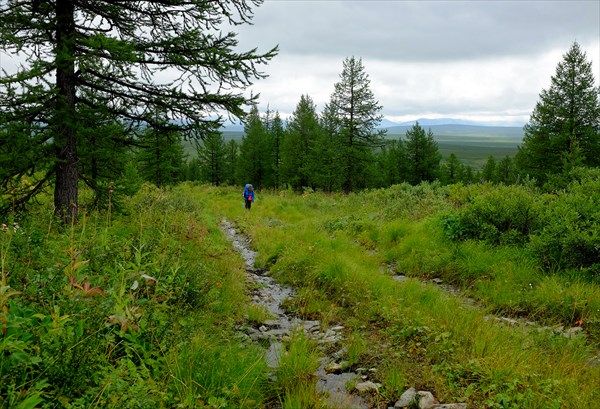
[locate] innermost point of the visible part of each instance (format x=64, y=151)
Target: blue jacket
x=249, y=194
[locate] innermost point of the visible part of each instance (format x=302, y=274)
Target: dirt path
x=270, y=294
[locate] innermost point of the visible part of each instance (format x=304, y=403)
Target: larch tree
x=357, y=110
x=212, y=154
x=452, y=171
x=423, y=155
x=134, y=57
x=328, y=159
x=277, y=138
x=161, y=157
x=252, y=162
x=302, y=131
x=488, y=173
x=231, y=156
x=564, y=127
x=505, y=171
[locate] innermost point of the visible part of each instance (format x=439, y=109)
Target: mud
x=268, y=293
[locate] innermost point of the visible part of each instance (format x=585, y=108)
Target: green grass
x=337, y=249
x=140, y=308
x=133, y=310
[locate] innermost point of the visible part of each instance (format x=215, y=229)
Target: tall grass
x=340, y=250
x=133, y=310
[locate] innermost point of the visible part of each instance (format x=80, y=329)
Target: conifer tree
x=193, y=170
x=105, y=148
x=423, y=155
x=231, y=156
x=299, y=147
x=357, y=111
x=488, y=173
x=211, y=154
x=505, y=171
x=252, y=163
x=564, y=127
x=328, y=158
x=161, y=157
x=452, y=171
x=73, y=49
x=277, y=137
x=394, y=162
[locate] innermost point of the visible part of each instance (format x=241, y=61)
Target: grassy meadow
x=139, y=306
x=341, y=252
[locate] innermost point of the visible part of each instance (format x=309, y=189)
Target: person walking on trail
x=248, y=196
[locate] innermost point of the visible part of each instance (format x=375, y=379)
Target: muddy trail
x=331, y=381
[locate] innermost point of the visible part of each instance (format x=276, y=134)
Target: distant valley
x=471, y=143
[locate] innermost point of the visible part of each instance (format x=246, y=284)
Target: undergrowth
x=134, y=309
x=341, y=252
x=139, y=308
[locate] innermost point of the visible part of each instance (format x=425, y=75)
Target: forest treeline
x=341, y=148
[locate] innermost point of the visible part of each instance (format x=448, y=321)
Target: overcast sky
x=474, y=60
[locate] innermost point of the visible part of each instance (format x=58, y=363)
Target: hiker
x=248, y=196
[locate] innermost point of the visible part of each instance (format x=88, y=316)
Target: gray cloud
x=480, y=60
x=423, y=30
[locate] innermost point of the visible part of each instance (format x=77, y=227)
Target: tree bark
x=67, y=176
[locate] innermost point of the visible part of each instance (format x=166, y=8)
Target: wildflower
x=4, y=228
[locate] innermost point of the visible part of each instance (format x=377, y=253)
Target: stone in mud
x=450, y=406
x=426, y=400
x=335, y=367
x=272, y=323
x=343, y=351
x=278, y=333
x=311, y=326
x=367, y=387
x=406, y=399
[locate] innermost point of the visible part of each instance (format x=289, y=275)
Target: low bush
x=496, y=214
x=569, y=235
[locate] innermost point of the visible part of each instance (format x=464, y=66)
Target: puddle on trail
x=270, y=294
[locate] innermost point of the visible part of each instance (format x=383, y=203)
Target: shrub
x=570, y=234
x=497, y=215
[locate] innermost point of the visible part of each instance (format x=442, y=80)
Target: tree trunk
x=67, y=176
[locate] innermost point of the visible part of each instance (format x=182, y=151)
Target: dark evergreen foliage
x=356, y=110
x=452, y=171
x=231, y=157
x=423, y=155
x=161, y=157
x=134, y=58
x=564, y=128
x=253, y=161
x=276, y=138
x=211, y=154
x=299, y=148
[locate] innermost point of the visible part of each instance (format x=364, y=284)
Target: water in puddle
x=271, y=295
